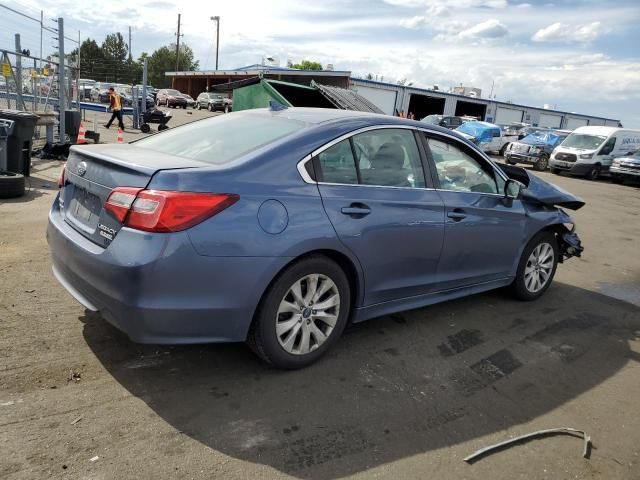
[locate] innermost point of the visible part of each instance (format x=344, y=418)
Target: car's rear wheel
x=503, y=149
x=210, y=107
x=542, y=163
x=537, y=267
x=302, y=314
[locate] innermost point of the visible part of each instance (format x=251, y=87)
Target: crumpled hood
x=541, y=191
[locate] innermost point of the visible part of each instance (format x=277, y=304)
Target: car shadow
x=392, y=387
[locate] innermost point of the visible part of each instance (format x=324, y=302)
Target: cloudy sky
x=578, y=55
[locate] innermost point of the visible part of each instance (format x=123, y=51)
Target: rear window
x=222, y=139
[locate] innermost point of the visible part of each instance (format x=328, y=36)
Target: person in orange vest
x=116, y=107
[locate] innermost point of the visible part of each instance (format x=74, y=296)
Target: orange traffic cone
x=81, y=132
x=120, y=138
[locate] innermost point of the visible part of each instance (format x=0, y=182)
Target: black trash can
x=72, y=122
x=20, y=140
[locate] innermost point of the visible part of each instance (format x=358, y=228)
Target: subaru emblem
x=82, y=168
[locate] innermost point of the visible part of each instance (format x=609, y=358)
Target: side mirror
x=513, y=188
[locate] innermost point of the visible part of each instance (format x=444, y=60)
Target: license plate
x=564, y=164
x=86, y=207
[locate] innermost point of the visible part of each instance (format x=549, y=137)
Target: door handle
x=356, y=210
x=457, y=215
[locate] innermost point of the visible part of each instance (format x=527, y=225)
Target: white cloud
x=489, y=29
x=451, y=4
x=562, y=32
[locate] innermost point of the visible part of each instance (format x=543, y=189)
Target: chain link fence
x=31, y=46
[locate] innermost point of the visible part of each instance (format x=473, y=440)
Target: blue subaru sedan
x=279, y=227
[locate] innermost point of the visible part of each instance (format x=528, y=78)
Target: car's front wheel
x=542, y=164
x=537, y=267
x=302, y=314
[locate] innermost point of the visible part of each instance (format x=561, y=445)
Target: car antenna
x=276, y=106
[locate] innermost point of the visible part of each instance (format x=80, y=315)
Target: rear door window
x=389, y=157
x=337, y=164
x=381, y=157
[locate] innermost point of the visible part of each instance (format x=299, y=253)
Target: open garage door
x=471, y=109
x=573, y=123
x=550, y=121
x=508, y=115
x=423, y=105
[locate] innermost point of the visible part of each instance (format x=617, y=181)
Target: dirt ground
x=406, y=396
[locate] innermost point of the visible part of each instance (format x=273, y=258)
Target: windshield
x=432, y=119
x=219, y=140
x=583, y=141
x=173, y=92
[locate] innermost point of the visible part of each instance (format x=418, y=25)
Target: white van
x=589, y=151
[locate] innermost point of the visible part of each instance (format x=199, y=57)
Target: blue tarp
x=481, y=131
x=547, y=138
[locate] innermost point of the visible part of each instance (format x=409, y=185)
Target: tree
x=114, y=48
x=164, y=60
x=308, y=65
x=369, y=76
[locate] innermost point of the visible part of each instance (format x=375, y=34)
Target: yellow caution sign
x=45, y=71
x=34, y=74
x=6, y=69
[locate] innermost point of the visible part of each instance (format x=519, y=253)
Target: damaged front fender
x=540, y=191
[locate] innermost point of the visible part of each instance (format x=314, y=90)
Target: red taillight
x=120, y=201
x=164, y=211
x=62, y=176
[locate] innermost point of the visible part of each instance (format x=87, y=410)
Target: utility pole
x=62, y=104
x=18, y=74
x=129, y=43
x=178, y=45
x=144, y=85
x=217, y=20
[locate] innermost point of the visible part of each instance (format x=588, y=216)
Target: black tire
x=511, y=162
x=184, y=107
x=145, y=128
x=263, y=339
x=594, y=173
x=519, y=286
x=210, y=108
x=503, y=149
x=162, y=127
x=555, y=171
x=542, y=164
x=11, y=185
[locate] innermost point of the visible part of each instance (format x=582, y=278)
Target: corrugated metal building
x=393, y=99
x=196, y=82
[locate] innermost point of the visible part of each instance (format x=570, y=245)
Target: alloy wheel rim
x=307, y=314
x=537, y=272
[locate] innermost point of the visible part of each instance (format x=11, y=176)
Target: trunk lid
x=93, y=171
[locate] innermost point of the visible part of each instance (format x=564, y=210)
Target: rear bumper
x=156, y=288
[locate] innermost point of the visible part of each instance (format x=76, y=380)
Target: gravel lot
x=406, y=396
